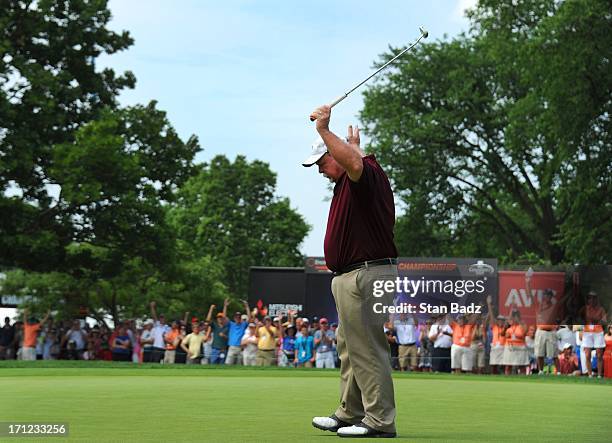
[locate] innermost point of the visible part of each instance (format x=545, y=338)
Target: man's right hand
x=322, y=115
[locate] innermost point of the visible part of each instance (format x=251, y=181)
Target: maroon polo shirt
x=361, y=219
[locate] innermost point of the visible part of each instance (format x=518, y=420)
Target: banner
x=513, y=292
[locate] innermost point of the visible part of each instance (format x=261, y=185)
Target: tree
x=84, y=183
x=229, y=212
x=499, y=140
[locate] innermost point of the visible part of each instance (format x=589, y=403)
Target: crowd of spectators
x=468, y=344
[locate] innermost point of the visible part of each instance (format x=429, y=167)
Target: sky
x=244, y=75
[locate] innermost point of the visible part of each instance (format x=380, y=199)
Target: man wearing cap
x=266, y=344
x=359, y=249
x=146, y=341
x=323, y=344
x=220, y=331
x=159, y=331
x=568, y=361
x=237, y=326
x=249, y=345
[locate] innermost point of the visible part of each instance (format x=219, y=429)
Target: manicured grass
x=121, y=402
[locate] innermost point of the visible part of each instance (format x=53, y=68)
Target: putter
x=423, y=35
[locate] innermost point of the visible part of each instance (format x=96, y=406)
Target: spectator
x=220, y=331
x=76, y=340
x=192, y=344
x=568, y=362
x=172, y=338
x=159, y=331
x=120, y=345
x=530, y=346
x=306, y=322
x=515, y=350
x=545, y=335
x=565, y=335
x=207, y=345
x=7, y=334
x=593, y=336
x=181, y=356
x=30, y=332
x=304, y=348
x=323, y=342
x=498, y=342
x=607, y=359
x=425, y=360
x=478, y=346
x=146, y=341
x=237, y=327
x=266, y=345
x=441, y=335
x=288, y=346
x=393, y=346
x=461, y=351
x=406, y=329
x=51, y=345
x=17, y=344
x=249, y=345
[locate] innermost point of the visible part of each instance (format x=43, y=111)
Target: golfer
x=359, y=249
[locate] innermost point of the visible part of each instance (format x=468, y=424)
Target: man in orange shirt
x=461, y=351
x=30, y=333
x=172, y=338
x=595, y=317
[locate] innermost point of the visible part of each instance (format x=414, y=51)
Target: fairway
x=125, y=403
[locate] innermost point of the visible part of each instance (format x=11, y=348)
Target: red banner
x=513, y=293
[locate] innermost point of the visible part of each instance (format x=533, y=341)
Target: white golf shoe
x=363, y=431
x=331, y=423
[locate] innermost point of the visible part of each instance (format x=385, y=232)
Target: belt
x=367, y=264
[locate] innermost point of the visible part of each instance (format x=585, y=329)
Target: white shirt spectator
x=565, y=335
x=78, y=336
x=251, y=340
x=158, y=333
x=406, y=331
x=443, y=340
x=146, y=335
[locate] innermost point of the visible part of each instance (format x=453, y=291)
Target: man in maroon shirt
x=359, y=249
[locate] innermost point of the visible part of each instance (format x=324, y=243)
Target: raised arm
x=46, y=317
x=247, y=310
x=153, y=311
x=348, y=155
x=225, y=303
x=210, y=312
x=533, y=297
x=186, y=317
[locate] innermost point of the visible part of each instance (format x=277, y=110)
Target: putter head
x=424, y=32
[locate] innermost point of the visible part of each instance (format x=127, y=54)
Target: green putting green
x=123, y=402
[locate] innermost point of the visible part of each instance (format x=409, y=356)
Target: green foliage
x=228, y=212
x=499, y=140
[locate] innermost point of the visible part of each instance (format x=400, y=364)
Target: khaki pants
x=407, y=355
x=366, y=385
x=169, y=357
x=233, y=356
x=265, y=358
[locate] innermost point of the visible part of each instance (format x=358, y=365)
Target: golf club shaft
x=346, y=94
